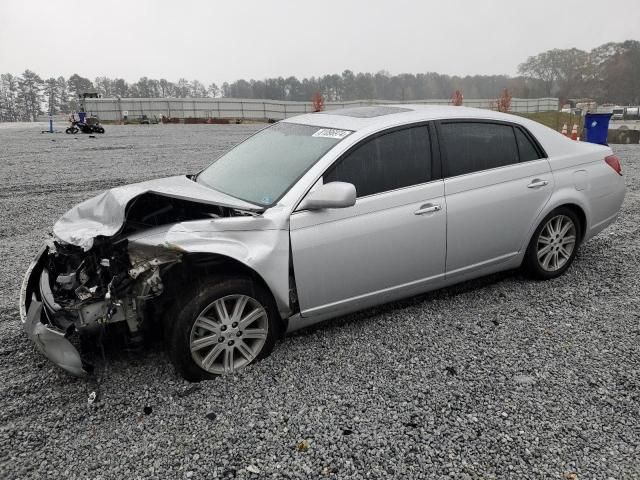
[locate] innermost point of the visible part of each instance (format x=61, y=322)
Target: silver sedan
x=314, y=217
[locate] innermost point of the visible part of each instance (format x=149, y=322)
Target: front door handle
x=537, y=183
x=427, y=208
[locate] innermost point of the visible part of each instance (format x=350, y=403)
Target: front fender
x=266, y=252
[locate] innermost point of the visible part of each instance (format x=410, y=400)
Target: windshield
x=262, y=168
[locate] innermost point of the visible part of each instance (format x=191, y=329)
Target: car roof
x=371, y=119
x=380, y=116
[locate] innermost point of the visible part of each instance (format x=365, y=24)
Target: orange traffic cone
x=564, y=130
x=574, y=132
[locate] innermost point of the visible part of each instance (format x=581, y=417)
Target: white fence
x=115, y=109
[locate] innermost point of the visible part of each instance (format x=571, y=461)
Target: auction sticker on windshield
x=331, y=133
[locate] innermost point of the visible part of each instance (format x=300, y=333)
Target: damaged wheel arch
x=202, y=267
x=220, y=326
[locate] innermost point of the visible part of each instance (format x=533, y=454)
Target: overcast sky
x=224, y=41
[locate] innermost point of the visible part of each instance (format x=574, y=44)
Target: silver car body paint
x=489, y=216
x=477, y=203
x=338, y=254
x=482, y=224
x=259, y=242
x=52, y=343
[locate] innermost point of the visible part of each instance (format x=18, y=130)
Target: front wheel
x=220, y=327
x=554, y=245
x=99, y=130
x=71, y=130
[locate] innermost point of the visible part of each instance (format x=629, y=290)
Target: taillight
x=614, y=162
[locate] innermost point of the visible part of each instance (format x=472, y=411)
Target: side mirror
x=330, y=195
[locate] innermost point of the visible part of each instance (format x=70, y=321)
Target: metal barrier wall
x=115, y=109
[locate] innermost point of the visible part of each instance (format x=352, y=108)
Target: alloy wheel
x=228, y=334
x=556, y=243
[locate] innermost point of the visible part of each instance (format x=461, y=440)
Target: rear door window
x=474, y=146
x=393, y=160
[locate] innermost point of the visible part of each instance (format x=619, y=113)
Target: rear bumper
x=36, y=299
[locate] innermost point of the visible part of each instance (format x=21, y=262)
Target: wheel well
x=194, y=266
x=581, y=217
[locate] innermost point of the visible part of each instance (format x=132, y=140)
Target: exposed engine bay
x=118, y=261
x=114, y=279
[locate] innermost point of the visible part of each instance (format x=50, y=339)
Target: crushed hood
x=104, y=215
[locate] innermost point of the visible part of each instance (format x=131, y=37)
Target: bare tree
x=213, y=90
x=562, y=71
x=120, y=87
x=154, y=88
x=183, y=88
x=198, y=90
x=616, y=71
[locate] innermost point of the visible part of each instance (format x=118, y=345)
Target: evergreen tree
x=63, y=95
x=8, y=98
x=30, y=95
x=51, y=98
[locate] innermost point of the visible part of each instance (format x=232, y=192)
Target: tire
x=554, y=245
x=99, y=129
x=221, y=346
x=71, y=130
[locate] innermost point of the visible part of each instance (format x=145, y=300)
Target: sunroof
x=367, y=112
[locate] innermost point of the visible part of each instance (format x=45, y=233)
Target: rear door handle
x=537, y=183
x=427, y=208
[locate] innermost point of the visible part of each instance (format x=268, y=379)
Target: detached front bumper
x=36, y=301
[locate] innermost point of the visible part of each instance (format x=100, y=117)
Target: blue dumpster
x=596, y=127
x=83, y=114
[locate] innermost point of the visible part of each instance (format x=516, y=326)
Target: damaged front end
x=68, y=291
x=109, y=258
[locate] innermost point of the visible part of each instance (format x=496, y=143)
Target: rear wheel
x=99, y=130
x=554, y=245
x=71, y=130
x=221, y=327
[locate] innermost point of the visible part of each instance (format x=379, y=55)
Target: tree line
x=608, y=73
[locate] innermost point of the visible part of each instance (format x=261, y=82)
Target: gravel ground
x=496, y=378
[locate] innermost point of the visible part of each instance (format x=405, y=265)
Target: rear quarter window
x=527, y=150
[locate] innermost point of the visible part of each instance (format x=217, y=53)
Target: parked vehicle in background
x=632, y=113
x=145, y=120
x=586, y=105
x=313, y=217
x=567, y=108
x=617, y=113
